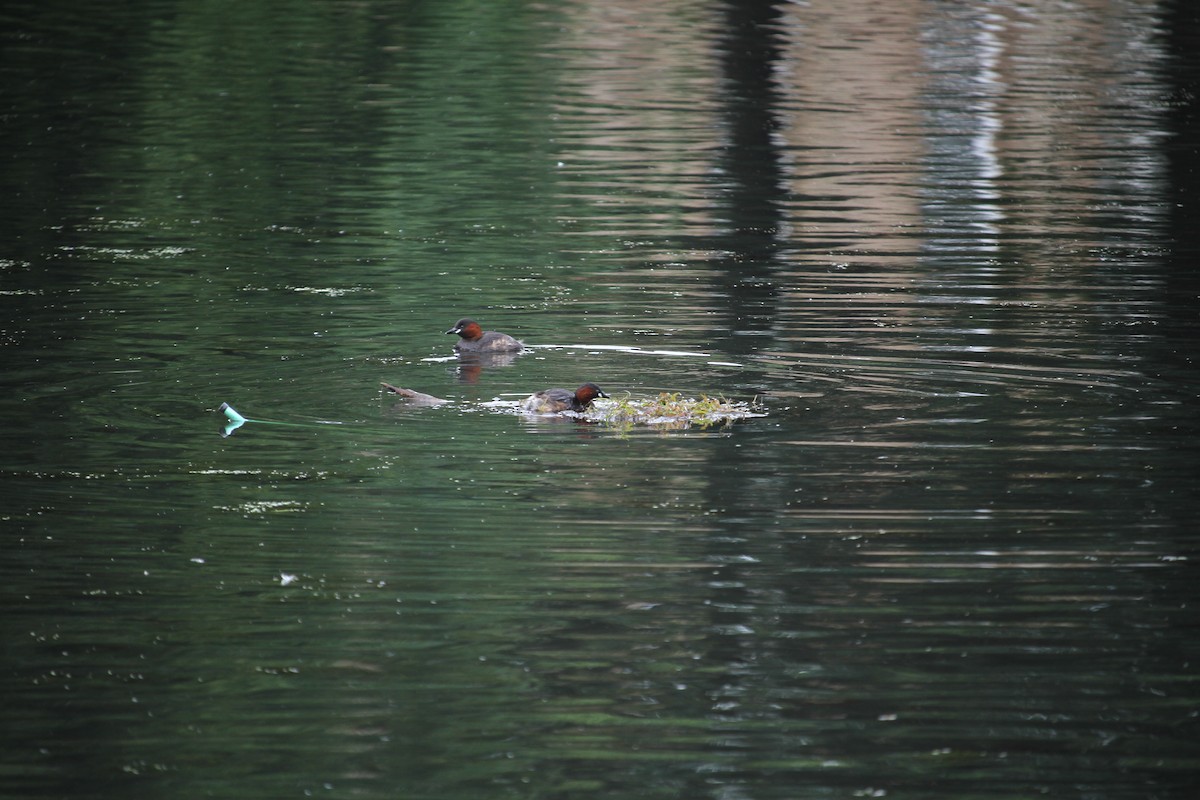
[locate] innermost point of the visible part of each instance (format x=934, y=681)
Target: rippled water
x=948, y=246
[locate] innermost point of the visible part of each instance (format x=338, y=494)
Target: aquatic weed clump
x=672, y=411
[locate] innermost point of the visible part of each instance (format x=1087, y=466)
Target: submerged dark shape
x=553, y=401
x=474, y=339
x=420, y=398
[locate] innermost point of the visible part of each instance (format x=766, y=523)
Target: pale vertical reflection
x=638, y=115
x=962, y=209
x=1075, y=89
x=969, y=123
x=851, y=82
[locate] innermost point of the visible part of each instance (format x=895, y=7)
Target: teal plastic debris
x=236, y=420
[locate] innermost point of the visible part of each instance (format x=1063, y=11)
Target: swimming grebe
x=474, y=339
x=552, y=401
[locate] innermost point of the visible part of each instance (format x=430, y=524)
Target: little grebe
x=552, y=401
x=474, y=339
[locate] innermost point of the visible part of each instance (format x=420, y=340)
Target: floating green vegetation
x=672, y=411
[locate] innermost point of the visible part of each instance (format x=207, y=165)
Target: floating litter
x=231, y=414
x=236, y=420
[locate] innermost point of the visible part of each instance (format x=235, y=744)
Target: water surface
x=948, y=246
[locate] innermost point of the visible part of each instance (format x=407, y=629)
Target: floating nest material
x=671, y=411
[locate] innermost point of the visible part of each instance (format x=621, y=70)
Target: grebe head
x=585, y=394
x=467, y=328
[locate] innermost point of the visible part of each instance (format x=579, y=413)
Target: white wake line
x=632, y=351
x=618, y=348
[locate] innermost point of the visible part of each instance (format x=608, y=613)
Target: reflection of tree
x=754, y=198
x=1183, y=153
x=753, y=203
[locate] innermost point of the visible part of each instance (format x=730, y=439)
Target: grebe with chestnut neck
x=555, y=401
x=472, y=338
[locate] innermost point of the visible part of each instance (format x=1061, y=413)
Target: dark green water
x=950, y=246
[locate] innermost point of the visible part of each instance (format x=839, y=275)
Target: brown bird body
x=554, y=401
x=474, y=339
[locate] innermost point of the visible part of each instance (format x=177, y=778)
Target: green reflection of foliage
x=372, y=117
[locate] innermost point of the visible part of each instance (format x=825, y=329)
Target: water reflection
x=966, y=55
x=937, y=238
x=472, y=365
